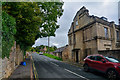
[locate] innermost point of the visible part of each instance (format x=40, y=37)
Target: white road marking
x=54, y=64
x=76, y=74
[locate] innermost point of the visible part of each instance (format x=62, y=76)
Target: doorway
x=77, y=57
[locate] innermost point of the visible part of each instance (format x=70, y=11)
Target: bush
x=8, y=32
x=52, y=56
x=37, y=52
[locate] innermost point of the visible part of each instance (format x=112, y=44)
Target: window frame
x=74, y=38
x=106, y=32
x=70, y=40
x=76, y=23
x=117, y=35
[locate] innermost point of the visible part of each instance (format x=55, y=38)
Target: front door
x=77, y=58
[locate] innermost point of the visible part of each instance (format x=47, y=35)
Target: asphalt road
x=51, y=69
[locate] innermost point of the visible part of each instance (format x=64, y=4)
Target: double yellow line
x=35, y=72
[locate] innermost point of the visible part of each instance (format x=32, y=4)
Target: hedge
x=52, y=56
x=8, y=32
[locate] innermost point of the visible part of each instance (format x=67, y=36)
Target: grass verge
x=52, y=56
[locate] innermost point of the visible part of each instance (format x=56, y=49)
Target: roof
x=102, y=20
x=82, y=10
x=59, y=50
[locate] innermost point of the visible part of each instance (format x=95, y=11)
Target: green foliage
x=27, y=22
x=41, y=47
x=33, y=20
x=0, y=29
x=51, y=49
x=37, y=52
x=8, y=32
x=52, y=56
x=54, y=47
x=31, y=49
x=52, y=11
x=24, y=53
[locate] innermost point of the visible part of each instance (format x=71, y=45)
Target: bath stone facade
x=90, y=34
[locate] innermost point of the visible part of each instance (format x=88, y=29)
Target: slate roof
x=59, y=50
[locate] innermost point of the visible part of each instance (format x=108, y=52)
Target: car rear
x=109, y=66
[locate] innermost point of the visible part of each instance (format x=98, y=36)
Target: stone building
x=65, y=54
x=90, y=34
x=61, y=52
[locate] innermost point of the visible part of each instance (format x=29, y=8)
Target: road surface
x=51, y=69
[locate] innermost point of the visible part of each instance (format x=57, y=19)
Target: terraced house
x=90, y=34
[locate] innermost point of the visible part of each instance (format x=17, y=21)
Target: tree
x=54, y=47
x=27, y=21
x=51, y=12
x=34, y=20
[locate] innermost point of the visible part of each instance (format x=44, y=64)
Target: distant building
x=90, y=35
x=61, y=52
x=45, y=49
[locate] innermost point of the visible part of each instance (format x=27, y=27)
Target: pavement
x=74, y=63
x=23, y=72
x=51, y=69
x=40, y=67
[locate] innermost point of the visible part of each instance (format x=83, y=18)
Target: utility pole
x=48, y=44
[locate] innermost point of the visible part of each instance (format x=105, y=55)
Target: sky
x=104, y=8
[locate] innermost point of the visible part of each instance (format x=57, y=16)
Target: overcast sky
x=106, y=9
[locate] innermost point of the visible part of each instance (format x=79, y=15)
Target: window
x=76, y=22
x=99, y=58
x=117, y=34
x=70, y=42
x=85, y=35
x=107, y=48
x=74, y=27
x=92, y=57
x=106, y=32
x=74, y=39
x=111, y=59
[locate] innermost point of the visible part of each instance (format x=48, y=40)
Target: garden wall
x=113, y=53
x=7, y=66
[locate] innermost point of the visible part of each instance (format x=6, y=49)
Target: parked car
x=108, y=65
x=40, y=53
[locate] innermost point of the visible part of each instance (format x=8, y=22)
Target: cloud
x=55, y=44
x=109, y=10
x=119, y=10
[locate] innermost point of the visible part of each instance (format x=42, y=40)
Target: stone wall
x=65, y=54
x=113, y=53
x=9, y=65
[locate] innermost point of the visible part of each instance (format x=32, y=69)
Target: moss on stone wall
x=8, y=32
